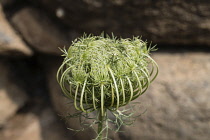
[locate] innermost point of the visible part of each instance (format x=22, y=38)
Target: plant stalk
x=101, y=123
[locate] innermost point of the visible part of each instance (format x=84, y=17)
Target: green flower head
x=105, y=73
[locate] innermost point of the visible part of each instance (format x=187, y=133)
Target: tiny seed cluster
x=105, y=73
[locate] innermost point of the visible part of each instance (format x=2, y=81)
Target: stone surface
x=166, y=21
x=40, y=31
x=56, y=23
x=10, y=41
x=177, y=102
x=6, y=2
x=42, y=125
x=12, y=97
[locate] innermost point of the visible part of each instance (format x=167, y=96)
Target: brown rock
x=22, y=127
x=166, y=21
x=33, y=126
x=6, y=2
x=177, y=102
x=12, y=97
x=163, y=22
x=40, y=31
x=10, y=42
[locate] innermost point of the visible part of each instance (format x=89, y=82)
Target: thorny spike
x=75, y=99
x=102, y=99
x=123, y=91
x=131, y=89
x=94, y=100
x=116, y=88
x=82, y=96
x=139, y=83
x=112, y=90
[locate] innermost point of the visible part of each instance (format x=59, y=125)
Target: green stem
x=100, y=124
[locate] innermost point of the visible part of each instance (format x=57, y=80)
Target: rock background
x=31, y=103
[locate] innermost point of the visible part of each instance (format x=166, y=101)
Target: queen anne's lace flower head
x=104, y=73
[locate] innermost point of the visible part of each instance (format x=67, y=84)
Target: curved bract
x=105, y=73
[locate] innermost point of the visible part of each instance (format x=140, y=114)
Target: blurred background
x=177, y=103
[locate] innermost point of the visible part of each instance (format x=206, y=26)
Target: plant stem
x=100, y=124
